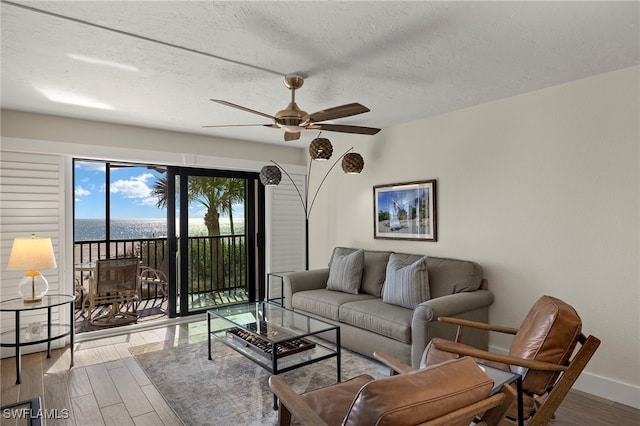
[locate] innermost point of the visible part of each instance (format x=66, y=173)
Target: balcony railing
x=215, y=263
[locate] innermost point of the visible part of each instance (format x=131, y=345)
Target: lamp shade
x=31, y=254
x=320, y=149
x=270, y=175
x=352, y=163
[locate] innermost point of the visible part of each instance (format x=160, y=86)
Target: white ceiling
x=403, y=60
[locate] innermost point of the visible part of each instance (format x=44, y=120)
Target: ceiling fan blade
x=242, y=125
x=288, y=136
x=337, y=112
x=361, y=130
x=253, y=111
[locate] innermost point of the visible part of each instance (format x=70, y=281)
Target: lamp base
x=32, y=287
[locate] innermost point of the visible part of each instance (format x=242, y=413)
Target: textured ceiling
x=403, y=60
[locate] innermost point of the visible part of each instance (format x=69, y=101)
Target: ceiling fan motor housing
x=291, y=118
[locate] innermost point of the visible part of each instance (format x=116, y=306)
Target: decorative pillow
x=345, y=272
x=373, y=272
x=406, y=285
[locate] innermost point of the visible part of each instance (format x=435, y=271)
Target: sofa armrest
x=303, y=280
x=451, y=305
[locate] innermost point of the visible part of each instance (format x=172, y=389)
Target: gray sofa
x=369, y=323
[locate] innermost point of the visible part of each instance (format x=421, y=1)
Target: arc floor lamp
x=320, y=149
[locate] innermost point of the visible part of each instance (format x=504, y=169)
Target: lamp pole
x=306, y=207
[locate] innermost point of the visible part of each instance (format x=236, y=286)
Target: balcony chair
x=541, y=350
x=115, y=283
x=451, y=393
x=158, y=278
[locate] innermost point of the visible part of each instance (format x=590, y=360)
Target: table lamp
x=31, y=254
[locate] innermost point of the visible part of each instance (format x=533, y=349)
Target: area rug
x=231, y=389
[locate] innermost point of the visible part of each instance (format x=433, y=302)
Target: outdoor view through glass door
x=217, y=258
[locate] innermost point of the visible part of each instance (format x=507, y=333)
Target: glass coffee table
x=277, y=339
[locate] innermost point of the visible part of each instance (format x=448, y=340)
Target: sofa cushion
x=375, y=266
x=323, y=302
x=345, y=272
x=406, y=284
x=382, y=318
x=422, y=395
x=450, y=276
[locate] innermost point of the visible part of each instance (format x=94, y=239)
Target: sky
x=131, y=196
x=402, y=198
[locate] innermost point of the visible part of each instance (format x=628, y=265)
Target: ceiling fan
x=293, y=120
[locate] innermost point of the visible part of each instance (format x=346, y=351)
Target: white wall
x=153, y=144
x=541, y=189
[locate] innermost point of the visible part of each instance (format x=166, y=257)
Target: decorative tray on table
x=260, y=345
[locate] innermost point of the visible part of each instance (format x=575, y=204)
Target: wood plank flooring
x=107, y=387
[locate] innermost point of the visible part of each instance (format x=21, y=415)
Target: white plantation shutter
x=31, y=201
x=286, y=239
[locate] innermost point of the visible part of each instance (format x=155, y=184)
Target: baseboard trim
x=603, y=387
x=613, y=390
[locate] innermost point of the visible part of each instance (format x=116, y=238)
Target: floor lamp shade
x=320, y=149
x=32, y=254
x=352, y=163
x=270, y=175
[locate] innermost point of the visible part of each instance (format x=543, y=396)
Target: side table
x=501, y=377
x=280, y=275
x=34, y=334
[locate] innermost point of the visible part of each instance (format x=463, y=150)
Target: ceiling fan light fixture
x=352, y=163
x=320, y=149
x=291, y=128
x=270, y=175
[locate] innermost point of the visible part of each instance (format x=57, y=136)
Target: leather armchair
x=452, y=393
x=541, y=351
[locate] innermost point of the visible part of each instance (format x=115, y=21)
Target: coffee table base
x=273, y=317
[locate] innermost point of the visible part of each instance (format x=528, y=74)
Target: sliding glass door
x=198, y=227
x=216, y=220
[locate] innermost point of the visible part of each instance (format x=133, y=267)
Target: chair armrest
x=301, y=281
x=497, y=414
x=480, y=325
x=396, y=366
x=292, y=404
x=457, y=348
x=150, y=274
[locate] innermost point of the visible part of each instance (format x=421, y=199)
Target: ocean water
x=131, y=229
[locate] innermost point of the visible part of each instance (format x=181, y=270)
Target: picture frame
x=405, y=211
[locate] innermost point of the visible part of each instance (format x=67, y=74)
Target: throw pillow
x=373, y=271
x=345, y=272
x=406, y=285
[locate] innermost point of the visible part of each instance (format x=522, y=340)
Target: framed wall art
x=405, y=211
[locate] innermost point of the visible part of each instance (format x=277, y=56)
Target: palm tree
x=235, y=193
x=217, y=194
x=160, y=189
